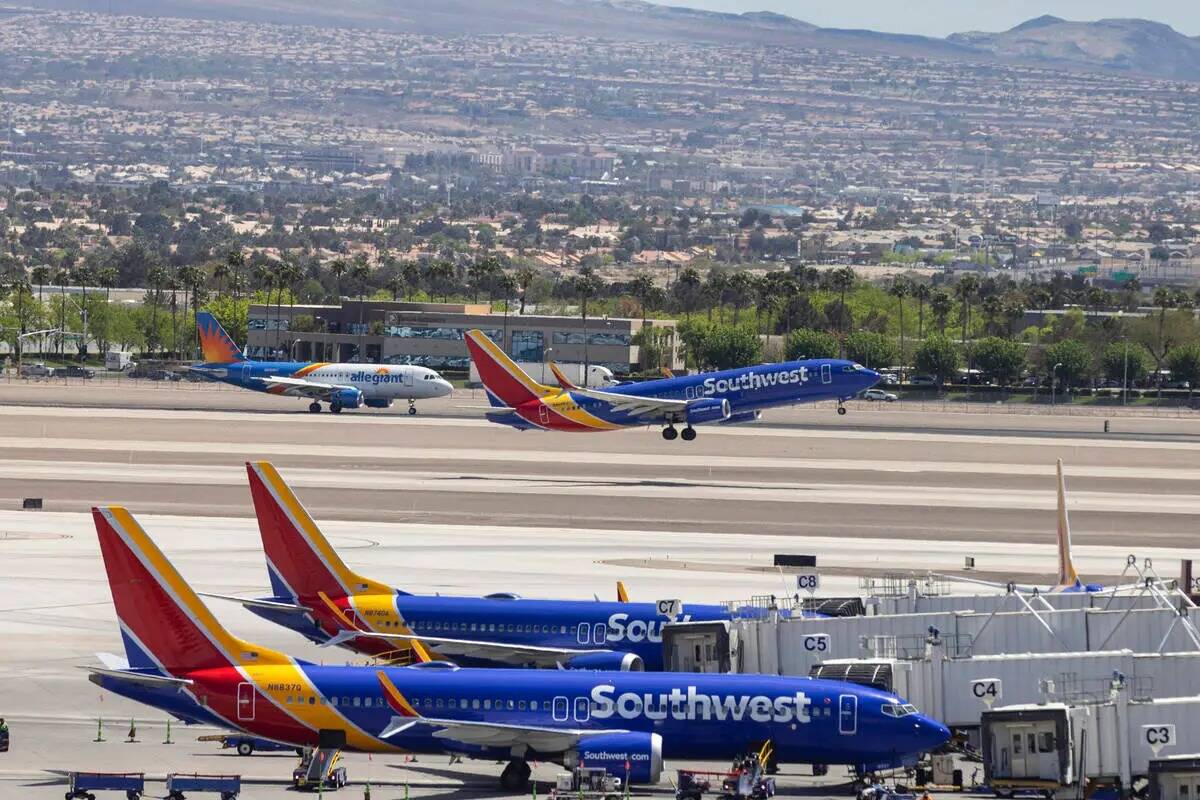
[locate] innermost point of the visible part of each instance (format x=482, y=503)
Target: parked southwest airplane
x=339, y=385
x=731, y=396
x=182, y=661
x=318, y=596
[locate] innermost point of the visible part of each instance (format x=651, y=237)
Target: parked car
x=76, y=371
x=164, y=375
x=889, y=379
x=879, y=394
x=922, y=380
x=36, y=370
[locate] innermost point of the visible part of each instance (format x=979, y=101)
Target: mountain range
x=1122, y=45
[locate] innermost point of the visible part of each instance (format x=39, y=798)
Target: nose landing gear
x=841, y=408
x=412, y=407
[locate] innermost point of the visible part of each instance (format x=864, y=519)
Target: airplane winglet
x=562, y=379
x=1067, y=574
x=622, y=594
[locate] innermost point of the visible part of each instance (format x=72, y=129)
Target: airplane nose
x=931, y=733
x=870, y=378
x=444, y=387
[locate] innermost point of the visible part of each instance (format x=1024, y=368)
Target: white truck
x=118, y=361
x=597, y=375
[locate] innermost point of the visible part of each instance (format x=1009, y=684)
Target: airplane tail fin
x=1067, y=575
x=164, y=624
x=301, y=563
x=507, y=384
x=215, y=343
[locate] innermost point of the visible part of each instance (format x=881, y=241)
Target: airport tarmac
x=446, y=502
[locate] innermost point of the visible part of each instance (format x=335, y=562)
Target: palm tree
x=713, y=293
x=587, y=285
x=939, y=305
x=41, y=276
x=108, y=278
x=156, y=278
x=966, y=289
x=525, y=276
x=20, y=287
x=1164, y=297
x=687, y=290
x=360, y=272
x=507, y=284
x=640, y=287
x=236, y=261
x=62, y=279
x=174, y=284
x=900, y=289
x=221, y=272
x=192, y=279
x=395, y=285
x=82, y=276
x=841, y=280
x=922, y=292
x=411, y=271
x=338, y=267
x=741, y=289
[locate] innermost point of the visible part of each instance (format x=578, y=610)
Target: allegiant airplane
x=339, y=385
x=182, y=661
x=730, y=396
x=318, y=596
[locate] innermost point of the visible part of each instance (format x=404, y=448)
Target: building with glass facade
x=431, y=334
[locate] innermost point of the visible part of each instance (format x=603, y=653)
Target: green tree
x=730, y=346
x=938, y=356
x=842, y=281
x=809, y=343
x=940, y=305
x=900, y=289
x=1184, y=363
x=1075, y=358
x=1113, y=361
x=922, y=292
x=1000, y=358
x=966, y=289
x=872, y=350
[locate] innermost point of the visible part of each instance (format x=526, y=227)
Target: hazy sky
x=940, y=17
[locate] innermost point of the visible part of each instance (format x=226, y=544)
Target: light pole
x=1053, y=386
x=1125, y=374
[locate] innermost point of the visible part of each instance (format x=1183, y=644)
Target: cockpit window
x=851, y=368
x=897, y=710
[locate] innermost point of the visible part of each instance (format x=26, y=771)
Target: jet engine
x=742, y=416
x=348, y=398
x=635, y=757
x=608, y=661
x=709, y=409
x=378, y=402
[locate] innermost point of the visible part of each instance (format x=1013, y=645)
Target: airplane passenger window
x=487, y=704
x=475, y=704
x=521, y=705
x=453, y=703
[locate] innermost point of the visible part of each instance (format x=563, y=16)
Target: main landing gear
x=314, y=407
x=688, y=434
x=515, y=776
x=412, y=408
x=335, y=408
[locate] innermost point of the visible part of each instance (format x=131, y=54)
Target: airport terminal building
x=431, y=334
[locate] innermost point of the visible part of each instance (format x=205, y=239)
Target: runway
x=446, y=502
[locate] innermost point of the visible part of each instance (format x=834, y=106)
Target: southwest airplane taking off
x=182, y=661
x=339, y=385
x=318, y=596
x=731, y=396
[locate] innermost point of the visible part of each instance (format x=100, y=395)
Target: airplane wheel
x=245, y=748
x=842, y=410
x=515, y=776
x=314, y=407
x=335, y=408
x=689, y=433
x=412, y=411
x=669, y=433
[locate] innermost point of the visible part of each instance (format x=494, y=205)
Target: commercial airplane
x=730, y=396
x=339, y=385
x=182, y=661
x=321, y=598
x=1067, y=580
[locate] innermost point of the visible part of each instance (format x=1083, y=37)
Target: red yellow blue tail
x=156, y=608
x=301, y=562
x=501, y=376
x=215, y=343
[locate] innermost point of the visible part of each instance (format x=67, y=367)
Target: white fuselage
x=384, y=381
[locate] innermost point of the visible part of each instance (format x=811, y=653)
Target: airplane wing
x=488, y=734
x=302, y=388
x=649, y=407
x=516, y=654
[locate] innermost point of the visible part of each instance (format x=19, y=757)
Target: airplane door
x=543, y=414
x=406, y=378
x=245, y=702
x=847, y=714
x=245, y=373
x=826, y=374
